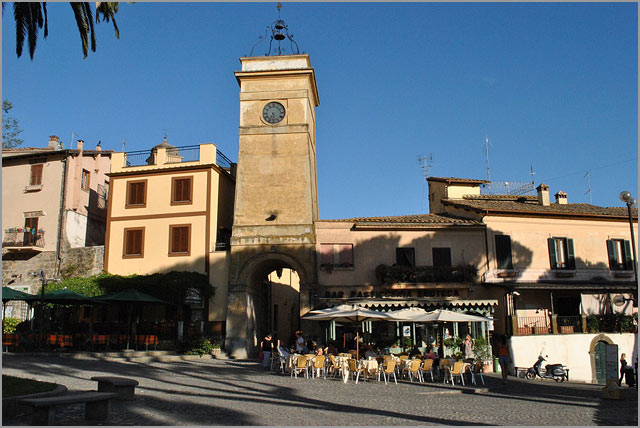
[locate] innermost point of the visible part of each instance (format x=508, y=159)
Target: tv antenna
x=486, y=148
x=532, y=174
x=123, y=144
x=588, y=177
x=426, y=163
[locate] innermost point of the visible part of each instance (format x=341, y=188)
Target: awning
x=395, y=304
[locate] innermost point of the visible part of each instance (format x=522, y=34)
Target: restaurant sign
x=380, y=294
x=192, y=296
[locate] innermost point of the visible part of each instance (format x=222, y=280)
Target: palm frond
x=29, y=19
x=88, y=15
x=46, y=24
x=108, y=12
x=20, y=12
x=81, y=22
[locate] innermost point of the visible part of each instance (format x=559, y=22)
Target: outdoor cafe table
x=370, y=366
x=61, y=340
x=9, y=340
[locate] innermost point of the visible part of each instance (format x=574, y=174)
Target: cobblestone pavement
x=234, y=392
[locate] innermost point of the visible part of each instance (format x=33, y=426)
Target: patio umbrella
x=9, y=293
x=348, y=314
x=131, y=297
x=62, y=297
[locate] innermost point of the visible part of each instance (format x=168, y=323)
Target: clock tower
x=276, y=200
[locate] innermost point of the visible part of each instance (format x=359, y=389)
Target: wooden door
x=601, y=362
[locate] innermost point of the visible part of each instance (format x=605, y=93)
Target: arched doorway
x=265, y=298
x=598, y=357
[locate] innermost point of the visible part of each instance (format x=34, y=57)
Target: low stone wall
x=572, y=350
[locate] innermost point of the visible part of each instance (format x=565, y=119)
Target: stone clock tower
x=276, y=201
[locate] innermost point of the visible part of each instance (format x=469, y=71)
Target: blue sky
x=552, y=85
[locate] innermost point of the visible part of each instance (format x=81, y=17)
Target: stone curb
x=11, y=408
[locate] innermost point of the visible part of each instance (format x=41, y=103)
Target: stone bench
x=122, y=386
x=97, y=406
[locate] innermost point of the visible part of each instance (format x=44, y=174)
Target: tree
x=10, y=129
x=30, y=17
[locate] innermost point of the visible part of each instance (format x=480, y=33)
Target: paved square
x=232, y=392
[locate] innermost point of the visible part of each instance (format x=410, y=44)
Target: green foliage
x=10, y=325
x=610, y=323
x=170, y=287
x=482, y=349
x=453, y=342
x=68, y=271
x=593, y=324
x=10, y=128
x=197, y=345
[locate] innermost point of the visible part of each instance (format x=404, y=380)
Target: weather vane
x=279, y=32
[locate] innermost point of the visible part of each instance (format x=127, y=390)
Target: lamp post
x=627, y=198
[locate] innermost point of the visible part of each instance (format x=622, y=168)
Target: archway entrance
x=600, y=354
x=282, y=305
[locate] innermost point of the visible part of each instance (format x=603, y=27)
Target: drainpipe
x=486, y=252
x=60, y=217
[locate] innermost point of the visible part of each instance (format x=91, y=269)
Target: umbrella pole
x=357, y=345
x=128, y=327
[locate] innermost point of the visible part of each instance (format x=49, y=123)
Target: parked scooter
x=556, y=372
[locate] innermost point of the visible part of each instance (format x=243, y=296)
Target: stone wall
x=17, y=268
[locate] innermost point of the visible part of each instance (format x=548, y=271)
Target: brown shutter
x=36, y=174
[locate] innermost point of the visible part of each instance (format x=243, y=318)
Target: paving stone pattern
x=237, y=392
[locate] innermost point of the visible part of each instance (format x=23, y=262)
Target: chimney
x=561, y=198
x=543, y=194
x=80, y=145
x=53, y=142
x=99, y=146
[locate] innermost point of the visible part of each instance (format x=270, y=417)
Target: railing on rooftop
x=516, y=188
x=173, y=156
x=23, y=239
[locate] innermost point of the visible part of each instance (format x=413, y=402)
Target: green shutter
x=628, y=262
x=571, y=257
x=553, y=255
x=611, y=250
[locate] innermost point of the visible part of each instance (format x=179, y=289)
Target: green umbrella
x=63, y=297
x=131, y=296
x=9, y=293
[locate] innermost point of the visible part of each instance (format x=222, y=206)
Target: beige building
x=558, y=269
x=171, y=210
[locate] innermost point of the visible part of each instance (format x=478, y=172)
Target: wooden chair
x=318, y=365
x=354, y=369
x=427, y=366
x=334, y=367
x=476, y=370
x=389, y=369
x=457, y=371
x=414, y=370
x=301, y=366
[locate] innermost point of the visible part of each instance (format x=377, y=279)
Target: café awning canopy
x=9, y=293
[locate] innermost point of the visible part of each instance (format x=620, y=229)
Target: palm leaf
x=108, y=11
x=83, y=27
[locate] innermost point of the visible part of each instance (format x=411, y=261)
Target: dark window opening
x=406, y=256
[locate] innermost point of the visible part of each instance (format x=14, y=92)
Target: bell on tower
x=279, y=32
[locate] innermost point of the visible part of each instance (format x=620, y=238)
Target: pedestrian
x=467, y=347
x=503, y=358
x=626, y=369
x=300, y=348
x=267, y=348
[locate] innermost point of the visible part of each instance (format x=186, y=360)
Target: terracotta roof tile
x=528, y=204
x=419, y=219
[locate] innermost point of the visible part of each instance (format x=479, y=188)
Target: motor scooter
x=556, y=372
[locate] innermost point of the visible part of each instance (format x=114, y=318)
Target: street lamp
x=627, y=198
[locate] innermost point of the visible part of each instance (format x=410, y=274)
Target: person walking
x=267, y=348
x=467, y=347
x=503, y=358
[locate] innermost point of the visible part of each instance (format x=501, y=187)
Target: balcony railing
x=561, y=324
x=569, y=324
x=532, y=325
x=172, y=155
x=23, y=239
x=388, y=275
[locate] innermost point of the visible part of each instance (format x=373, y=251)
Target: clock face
x=273, y=112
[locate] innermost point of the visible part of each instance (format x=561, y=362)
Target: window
x=86, y=175
x=181, y=190
x=36, y=175
x=133, y=242
x=30, y=231
x=179, y=239
x=619, y=254
x=441, y=257
x=406, y=256
x=561, y=254
x=336, y=255
x=136, y=194
x=503, y=252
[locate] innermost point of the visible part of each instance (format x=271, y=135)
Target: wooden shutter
x=36, y=174
x=503, y=252
x=628, y=262
x=611, y=250
x=136, y=193
x=571, y=257
x=180, y=239
x=553, y=253
x=326, y=254
x=133, y=242
x=345, y=254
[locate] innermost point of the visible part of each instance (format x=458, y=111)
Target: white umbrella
x=443, y=315
x=408, y=315
x=349, y=314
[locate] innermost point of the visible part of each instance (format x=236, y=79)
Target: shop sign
x=192, y=296
x=406, y=330
x=380, y=294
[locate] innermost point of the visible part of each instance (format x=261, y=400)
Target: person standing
x=467, y=346
x=299, y=342
x=267, y=349
x=503, y=358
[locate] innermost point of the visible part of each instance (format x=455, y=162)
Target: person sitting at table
x=300, y=348
x=283, y=351
x=331, y=349
x=369, y=353
x=318, y=350
x=414, y=351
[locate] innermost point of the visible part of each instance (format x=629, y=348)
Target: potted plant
x=482, y=351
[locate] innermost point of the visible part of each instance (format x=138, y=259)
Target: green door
x=601, y=362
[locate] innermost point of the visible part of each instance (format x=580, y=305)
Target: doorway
x=600, y=354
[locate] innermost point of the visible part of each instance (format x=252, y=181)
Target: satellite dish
x=619, y=300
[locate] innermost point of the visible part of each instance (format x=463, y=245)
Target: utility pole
x=589, y=186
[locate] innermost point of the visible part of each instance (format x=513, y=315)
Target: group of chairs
x=348, y=367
